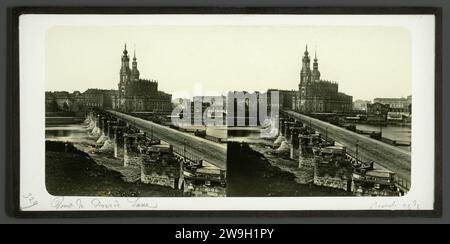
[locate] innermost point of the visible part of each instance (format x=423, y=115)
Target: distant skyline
x=367, y=62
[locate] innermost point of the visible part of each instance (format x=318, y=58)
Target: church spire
x=315, y=73
x=134, y=71
x=125, y=52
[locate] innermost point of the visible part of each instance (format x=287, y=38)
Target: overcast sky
x=367, y=62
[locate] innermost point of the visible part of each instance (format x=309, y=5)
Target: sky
x=367, y=62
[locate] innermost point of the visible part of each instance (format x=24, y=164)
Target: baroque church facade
x=316, y=95
x=136, y=94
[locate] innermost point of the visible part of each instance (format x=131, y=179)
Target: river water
x=393, y=132
x=80, y=136
x=75, y=133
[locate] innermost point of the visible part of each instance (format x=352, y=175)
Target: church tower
x=125, y=69
x=305, y=81
x=305, y=73
x=125, y=74
x=134, y=70
x=315, y=76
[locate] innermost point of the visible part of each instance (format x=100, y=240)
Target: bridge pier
x=103, y=129
x=300, y=151
x=90, y=118
x=110, y=131
x=131, y=153
x=287, y=129
x=96, y=130
x=104, y=125
x=118, y=141
x=294, y=141
x=282, y=126
x=306, y=143
x=100, y=124
x=158, y=166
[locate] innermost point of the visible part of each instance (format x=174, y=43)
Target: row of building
x=399, y=105
x=317, y=96
x=133, y=95
x=63, y=101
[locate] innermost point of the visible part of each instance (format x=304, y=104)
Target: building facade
x=287, y=98
x=361, y=105
x=136, y=94
x=63, y=101
x=58, y=101
x=400, y=105
x=377, y=112
x=319, y=96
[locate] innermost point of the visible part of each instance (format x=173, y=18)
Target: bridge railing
x=188, y=156
x=402, y=183
x=399, y=181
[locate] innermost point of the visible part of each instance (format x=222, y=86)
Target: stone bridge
x=133, y=141
x=383, y=155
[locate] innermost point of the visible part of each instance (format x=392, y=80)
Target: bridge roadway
x=212, y=152
x=388, y=156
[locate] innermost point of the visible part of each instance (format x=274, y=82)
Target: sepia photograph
x=219, y=112
x=120, y=120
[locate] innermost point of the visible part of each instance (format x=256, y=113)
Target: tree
x=52, y=106
x=65, y=106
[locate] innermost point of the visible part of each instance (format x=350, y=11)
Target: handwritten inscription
x=97, y=203
x=63, y=203
x=28, y=201
x=139, y=203
x=414, y=205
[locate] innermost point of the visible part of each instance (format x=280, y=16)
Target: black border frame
x=13, y=106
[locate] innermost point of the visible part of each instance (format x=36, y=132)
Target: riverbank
x=252, y=174
x=63, y=120
x=71, y=172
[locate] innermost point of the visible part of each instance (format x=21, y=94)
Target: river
x=157, y=182
x=393, y=132
x=75, y=133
